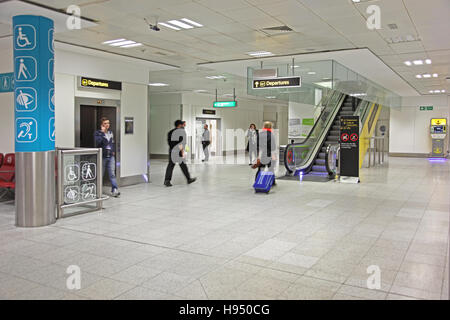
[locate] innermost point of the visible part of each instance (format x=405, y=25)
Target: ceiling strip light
x=169, y=26
x=408, y=63
x=192, y=22
x=418, y=62
x=260, y=53
x=158, y=84
x=132, y=45
x=428, y=61
x=112, y=41
x=122, y=43
x=180, y=24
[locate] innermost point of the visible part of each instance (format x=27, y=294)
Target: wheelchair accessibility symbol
x=25, y=69
x=26, y=130
x=26, y=99
x=25, y=37
x=72, y=173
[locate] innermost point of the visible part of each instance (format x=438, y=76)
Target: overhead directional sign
x=225, y=104
x=99, y=83
x=287, y=82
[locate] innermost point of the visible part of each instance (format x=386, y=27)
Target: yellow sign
x=99, y=83
x=438, y=122
x=91, y=83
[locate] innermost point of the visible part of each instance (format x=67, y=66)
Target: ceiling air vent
x=392, y=26
x=274, y=31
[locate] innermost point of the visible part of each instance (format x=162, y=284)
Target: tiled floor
x=217, y=239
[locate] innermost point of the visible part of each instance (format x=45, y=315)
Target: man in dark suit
x=176, y=138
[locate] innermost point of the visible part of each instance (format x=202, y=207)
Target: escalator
x=308, y=159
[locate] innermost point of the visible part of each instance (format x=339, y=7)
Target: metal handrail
x=376, y=150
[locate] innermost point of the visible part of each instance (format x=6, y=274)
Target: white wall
x=133, y=154
x=165, y=108
x=65, y=110
x=410, y=127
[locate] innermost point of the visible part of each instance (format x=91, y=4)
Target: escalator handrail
x=324, y=133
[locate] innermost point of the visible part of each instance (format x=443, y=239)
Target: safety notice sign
x=349, y=142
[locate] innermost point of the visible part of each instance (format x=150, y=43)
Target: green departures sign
x=225, y=104
x=426, y=108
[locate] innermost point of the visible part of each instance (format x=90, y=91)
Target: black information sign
x=99, y=83
x=289, y=82
x=349, y=141
x=206, y=111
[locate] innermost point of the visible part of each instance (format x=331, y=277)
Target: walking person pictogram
x=23, y=70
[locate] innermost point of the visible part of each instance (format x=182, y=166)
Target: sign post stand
x=349, y=143
x=34, y=100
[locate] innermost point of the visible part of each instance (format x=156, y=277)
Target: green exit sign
x=225, y=104
x=426, y=108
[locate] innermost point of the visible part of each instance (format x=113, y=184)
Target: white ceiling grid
x=233, y=27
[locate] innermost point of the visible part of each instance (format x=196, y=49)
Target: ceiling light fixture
x=408, y=63
x=215, y=77
x=168, y=26
x=122, y=43
x=192, y=22
x=428, y=61
x=158, y=84
x=112, y=41
x=311, y=72
x=132, y=45
x=260, y=54
x=426, y=75
x=271, y=97
x=180, y=24
x=418, y=62
x=418, y=76
x=435, y=75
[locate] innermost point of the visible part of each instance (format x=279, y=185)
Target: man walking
x=206, y=141
x=176, y=138
x=104, y=138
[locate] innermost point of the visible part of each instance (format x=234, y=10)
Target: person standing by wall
x=176, y=138
x=252, y=144
x=206, y=141
x=104, y=138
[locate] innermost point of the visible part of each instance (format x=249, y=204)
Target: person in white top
x=252, y=144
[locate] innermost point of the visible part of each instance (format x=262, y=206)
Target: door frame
x=219, y=151
x=79, y=101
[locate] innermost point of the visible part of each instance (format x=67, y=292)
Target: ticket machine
x=438, y=130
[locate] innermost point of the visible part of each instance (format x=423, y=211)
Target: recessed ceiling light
x=122, y=43
x=132, y=45
x=260, y=54
x=427, y=61
x=180, y=24
x=435, y=75
x=169, y=26
x=418, y=62
x=158, y=84
x=426, y=75
x=296, y=66
x=356, y=1
x=112, y=41
x=192, y=22
x=271, y=97
x=200, y=90
x=431, y=91
x=408, y=63
x=311, y=72
x=215, y=77
x=418, y=76
x=437, y=91
x=443, y=91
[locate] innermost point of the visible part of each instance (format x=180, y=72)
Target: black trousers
x=171, y=165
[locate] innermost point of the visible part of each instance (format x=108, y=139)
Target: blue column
x=34, y=100
x=34, y=83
